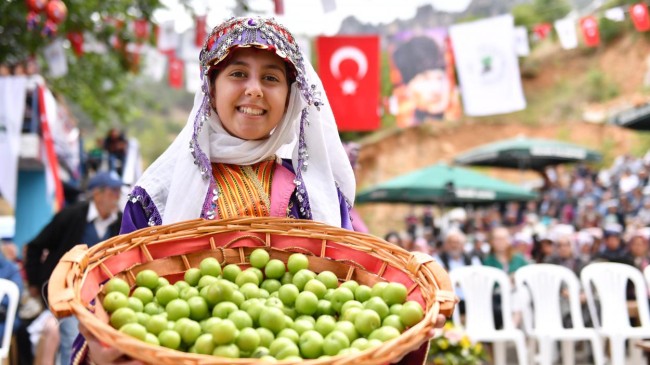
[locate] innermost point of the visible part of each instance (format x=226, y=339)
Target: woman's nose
x=253, y=88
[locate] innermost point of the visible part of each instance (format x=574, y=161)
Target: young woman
x=260, y=141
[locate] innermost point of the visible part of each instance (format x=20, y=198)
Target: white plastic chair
x=543, y=282
x=478, y=284
x=610, y=281
x=10, y=289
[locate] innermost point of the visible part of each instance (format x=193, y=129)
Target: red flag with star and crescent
x=349, y=69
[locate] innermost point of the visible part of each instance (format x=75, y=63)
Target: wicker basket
x=171, y=249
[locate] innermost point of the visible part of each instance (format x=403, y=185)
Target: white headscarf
x=181, y=191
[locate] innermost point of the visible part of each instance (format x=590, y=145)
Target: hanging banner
x=155, y=64
x=566, y=32
x=175, y=73
x=349, y=69
x=423, y=89
x=13, y=93
x=522, y=46
x=640, y=18
x=590, y=34
x=200, y=31
x=487, y=66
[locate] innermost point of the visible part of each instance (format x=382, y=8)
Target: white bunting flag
x=155, y=64
x=487, y=66
x=566, y=32
x=192, y=77
x=167, y=37
x=328, y=5
x=55, y=58
x=616, y=14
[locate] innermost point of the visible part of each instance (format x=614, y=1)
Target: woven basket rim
x=81, y=262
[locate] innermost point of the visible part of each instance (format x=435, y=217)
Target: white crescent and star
x=349, y=85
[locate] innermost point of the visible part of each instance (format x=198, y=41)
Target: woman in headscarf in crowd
x=260, y=141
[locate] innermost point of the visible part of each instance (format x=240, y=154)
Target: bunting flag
x=141, y=29
x=590, y=34
x=13, y=91
x=92, y=45
x=542, y=30
x=566, y=32
x=155, y=64
x=279, y=7
x=55, y=57
x=175, y=73
x=640, y=18
x=77, y=42
x=192, y=77
x=487, y=66
x=616, y=14
x=521, y=41
x=167, y=38
x=349, y=69
x=200, y=30
x=328, y=6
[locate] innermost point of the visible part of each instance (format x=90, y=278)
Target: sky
x=306, y=17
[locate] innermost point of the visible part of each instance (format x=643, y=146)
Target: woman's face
x=251, y=93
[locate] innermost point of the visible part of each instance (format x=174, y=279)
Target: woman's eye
x=272, y=78
x=237, y=74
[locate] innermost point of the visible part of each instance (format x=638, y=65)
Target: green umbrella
x=444, y=184
x=527, y=153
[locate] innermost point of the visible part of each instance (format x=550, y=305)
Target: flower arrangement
x=452, y=346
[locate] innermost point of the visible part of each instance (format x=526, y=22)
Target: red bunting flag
x=201, y=33
x=141, y=29
x=77, y=41
x=349, y=69
x=640, y=17
x=279, y=7
x=175, y=73
x=590, y=33
x=542, y=30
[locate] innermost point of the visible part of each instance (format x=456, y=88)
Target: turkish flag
x=175, y=73
x=201, y=33
x=640, y=17
x=349, y=69
x=589, y=26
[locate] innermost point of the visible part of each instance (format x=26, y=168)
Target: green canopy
x=527, y=153
x=444, y=184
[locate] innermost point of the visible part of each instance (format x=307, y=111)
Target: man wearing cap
x=88, y=222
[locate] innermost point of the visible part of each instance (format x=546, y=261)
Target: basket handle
x=60, y=290
x=445, y=295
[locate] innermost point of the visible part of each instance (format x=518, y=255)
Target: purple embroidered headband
x=264, y=34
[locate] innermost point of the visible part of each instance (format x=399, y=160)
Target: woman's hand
x=100, y=354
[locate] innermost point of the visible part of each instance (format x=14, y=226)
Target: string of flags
x=174, y=55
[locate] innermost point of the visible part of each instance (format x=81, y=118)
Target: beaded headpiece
x=265, y=34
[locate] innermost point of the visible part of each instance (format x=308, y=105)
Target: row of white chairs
x=541, y=313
